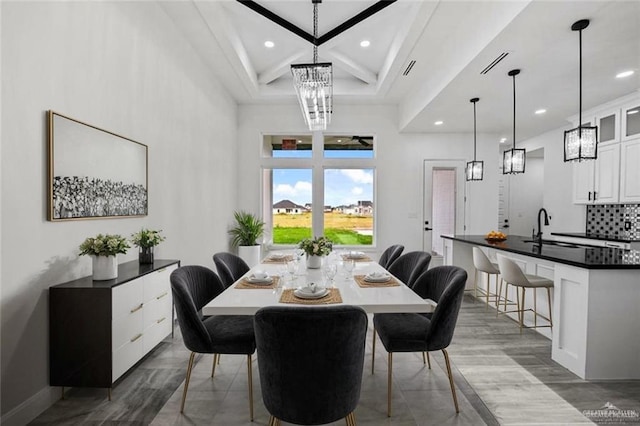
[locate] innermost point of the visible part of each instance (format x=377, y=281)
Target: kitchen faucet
x=546, y=223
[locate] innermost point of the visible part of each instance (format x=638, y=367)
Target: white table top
x=373, y=300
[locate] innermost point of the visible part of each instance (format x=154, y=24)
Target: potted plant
x=245, y=234
x=103, y=250
x=316, y=248
x=146, y=240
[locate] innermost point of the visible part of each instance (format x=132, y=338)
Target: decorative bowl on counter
x=495, y=237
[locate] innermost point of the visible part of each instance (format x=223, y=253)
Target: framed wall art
x=94, y=173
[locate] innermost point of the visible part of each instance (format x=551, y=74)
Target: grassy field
x=339, y=228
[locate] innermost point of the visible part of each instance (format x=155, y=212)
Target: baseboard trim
x=31, y=408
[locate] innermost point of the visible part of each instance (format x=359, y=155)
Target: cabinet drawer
x=157, y=283
x=156, y=333
x=125, y=357
x=127, y=328
x=157, y=309
x=127, y=298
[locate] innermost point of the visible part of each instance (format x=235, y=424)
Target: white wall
x=399, y=165
x=526, y=198
x=123, y=67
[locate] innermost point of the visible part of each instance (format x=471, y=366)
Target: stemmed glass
x=292, y=268
x=349, y=265
x=330, y=271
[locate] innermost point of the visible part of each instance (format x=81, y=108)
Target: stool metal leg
x=549, y=299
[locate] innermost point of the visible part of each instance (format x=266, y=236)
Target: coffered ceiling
x=427, y=57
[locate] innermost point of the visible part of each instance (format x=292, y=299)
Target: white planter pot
x=104, y=267
x=314, y=262
x=250, y=254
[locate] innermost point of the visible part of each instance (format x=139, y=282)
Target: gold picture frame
x=94, y=173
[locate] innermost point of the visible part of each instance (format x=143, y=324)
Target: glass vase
x=145, y=255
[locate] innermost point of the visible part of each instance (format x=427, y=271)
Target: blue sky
x=342, y=186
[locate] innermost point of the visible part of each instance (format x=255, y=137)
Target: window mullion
x=317, y=198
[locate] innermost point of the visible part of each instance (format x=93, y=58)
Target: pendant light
x=475, y=168
x=513, y=160
x=580, y=143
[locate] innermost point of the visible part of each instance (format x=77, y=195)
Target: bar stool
x=482, y=264
x=512, y=274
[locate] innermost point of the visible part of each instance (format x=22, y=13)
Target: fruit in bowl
x=496, y=236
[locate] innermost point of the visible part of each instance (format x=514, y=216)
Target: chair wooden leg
x=213, y=368
x=453, y=388
x=274, y=421
x=186, y=382
x=351, y=419
x=389, y=372
x=373, y=350
x=424, y=358
x=550, y=308
x=250, y=381
x=428, y=359
x=219, y=356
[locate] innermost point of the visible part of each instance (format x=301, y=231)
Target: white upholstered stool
x=482, y=264
x=512, y=274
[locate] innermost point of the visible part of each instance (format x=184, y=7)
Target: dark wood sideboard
x=100, y=329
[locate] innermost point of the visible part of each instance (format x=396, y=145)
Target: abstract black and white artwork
x=94, y=173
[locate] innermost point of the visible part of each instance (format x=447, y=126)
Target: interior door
x=503, y=202
x=443, y=202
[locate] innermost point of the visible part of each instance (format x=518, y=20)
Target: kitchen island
x=596, y=299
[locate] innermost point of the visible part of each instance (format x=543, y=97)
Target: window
x=322, y=189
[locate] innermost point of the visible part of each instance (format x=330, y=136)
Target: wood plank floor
x=502, y=377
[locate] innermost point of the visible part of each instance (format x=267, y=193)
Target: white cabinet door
x=583, y=175
x=607, y=174
x=630, y=172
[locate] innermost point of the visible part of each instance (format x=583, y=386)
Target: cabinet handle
x=136, y=337
x=589, y=195
x=137, y=308
x=594, y=195
x=161, y=319
x=162, y=295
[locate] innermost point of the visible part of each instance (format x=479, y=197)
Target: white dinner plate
x=377, y=278
x=355, y=255
x=255, y=280
x=306, y=293
x=277, y=256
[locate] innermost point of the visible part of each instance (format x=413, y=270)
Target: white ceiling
x=451, y=42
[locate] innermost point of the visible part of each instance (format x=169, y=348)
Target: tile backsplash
x=615, y=220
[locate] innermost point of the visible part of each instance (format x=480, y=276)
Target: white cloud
x=358, y=176
x=301, y=188
x=356, y=190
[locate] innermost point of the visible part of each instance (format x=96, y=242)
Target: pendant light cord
x=580, y=84
x=474, y=132
x=514, y=111
x=315, y=32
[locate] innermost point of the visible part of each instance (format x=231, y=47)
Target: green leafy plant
x=247, y=231
x=104, y=245
x=146, y=238
x=319, y=246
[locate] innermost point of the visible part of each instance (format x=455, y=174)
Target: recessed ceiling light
x=541, y=111
x=503, y=140
x=339, y=140
x=624, y=74
x=632, y=111
x=269, y=44
x=438, y=123
x=365, y=43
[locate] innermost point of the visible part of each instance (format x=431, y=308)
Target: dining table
x=347, y=287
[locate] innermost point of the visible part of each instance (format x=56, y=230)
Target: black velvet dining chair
x=408, y=267
x=390, y=255
x=414, y=332
x=311, y=361
x=230, y=267
x=193, y=287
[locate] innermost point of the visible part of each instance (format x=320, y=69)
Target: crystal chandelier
x=474, y=168
x=513, y=160
x=581, y=143
x=314, y=85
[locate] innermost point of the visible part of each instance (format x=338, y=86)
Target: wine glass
x=330, y=271
x=349, y=265
x=292, y=268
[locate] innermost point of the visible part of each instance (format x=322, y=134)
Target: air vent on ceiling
x=409, y=67
x=494, y=62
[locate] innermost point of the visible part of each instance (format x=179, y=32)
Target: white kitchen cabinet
x=631, y=121
x=598, y=182
x=630, y=171
x=608, y=123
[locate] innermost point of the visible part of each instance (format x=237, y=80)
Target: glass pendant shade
x=581, y=143
x=314, y=88
x=513, y=161
x=475, y=170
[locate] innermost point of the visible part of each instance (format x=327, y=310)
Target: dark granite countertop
x=582, y=257
x=616, y=238
x=126, y=272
